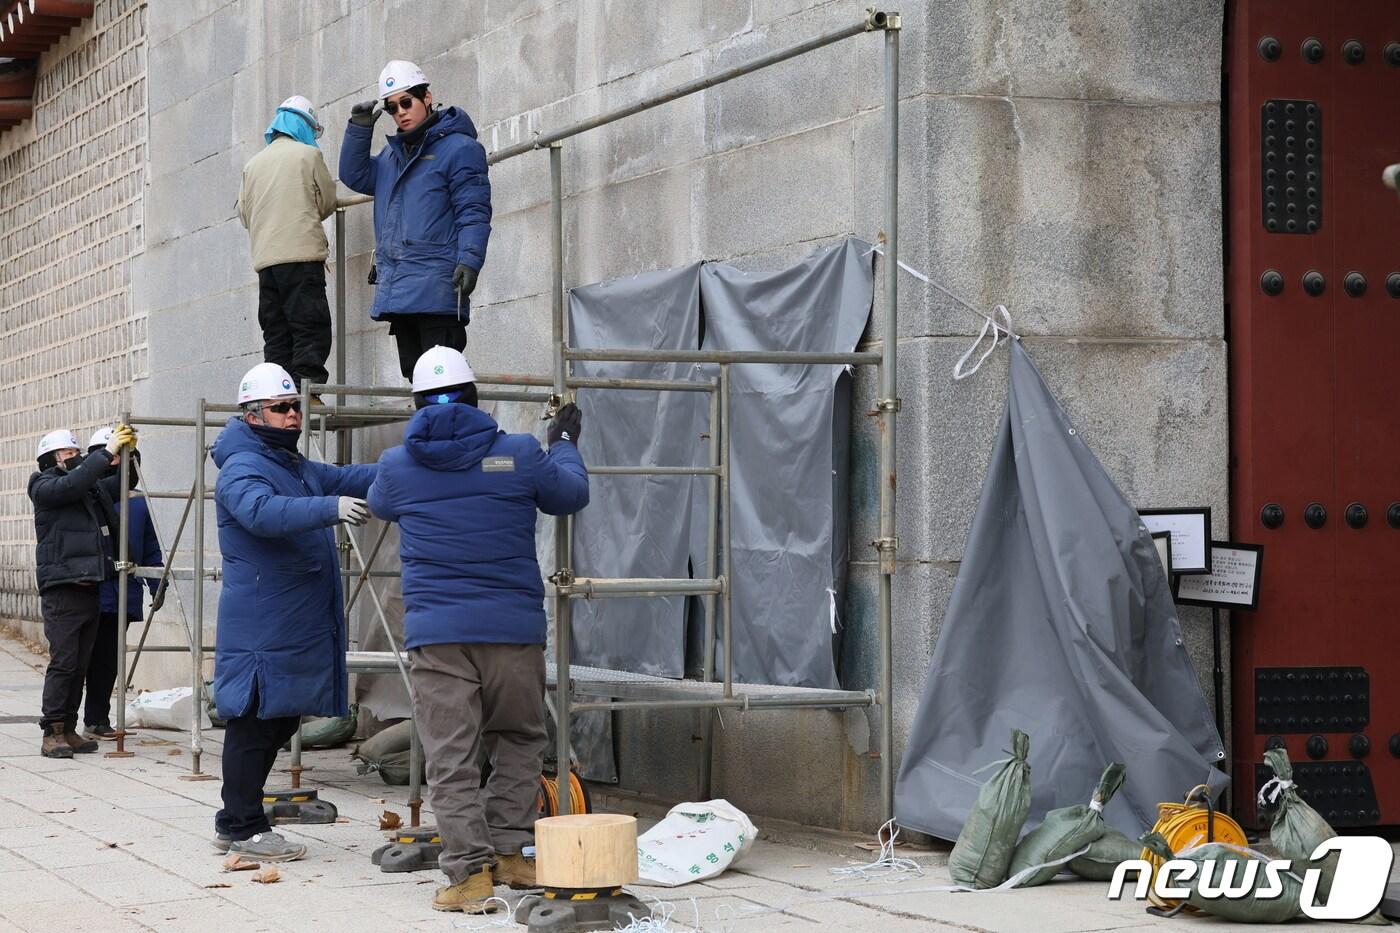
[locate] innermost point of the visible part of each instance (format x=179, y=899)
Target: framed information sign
x=1190, y=531
x=1233, y=581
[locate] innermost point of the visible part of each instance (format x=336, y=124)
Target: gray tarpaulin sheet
x=788, y=459
x=637, y=526
x=782, y=444
x=1061, y=624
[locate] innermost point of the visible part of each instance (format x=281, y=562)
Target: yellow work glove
x=123, y=435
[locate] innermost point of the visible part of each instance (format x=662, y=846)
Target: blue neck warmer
x=290, y=123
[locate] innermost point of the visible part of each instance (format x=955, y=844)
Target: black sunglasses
x=404, y=103
x=282, y=408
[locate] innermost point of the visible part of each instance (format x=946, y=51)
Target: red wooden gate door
x=1313, y=281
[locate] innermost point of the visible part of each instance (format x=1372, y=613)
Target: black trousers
x=102, y=672
x=295, y=319
x=70, y=625
x=417, y=333
x=250, y=749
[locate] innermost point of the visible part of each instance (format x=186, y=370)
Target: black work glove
x=157, y=598
x=567, y=425
x=364, y=113
x=464, y=279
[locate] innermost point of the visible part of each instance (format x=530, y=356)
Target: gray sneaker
x=267, y=847
x=221, y=842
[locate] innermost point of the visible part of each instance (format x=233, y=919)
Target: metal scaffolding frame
x=603, y=690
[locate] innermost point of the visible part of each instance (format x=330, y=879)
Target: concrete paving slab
x=123, y=844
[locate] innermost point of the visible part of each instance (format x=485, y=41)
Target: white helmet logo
x=437, y=370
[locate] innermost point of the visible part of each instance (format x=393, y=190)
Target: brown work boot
x=55, y=746
x=78, y=743
x=515, y=870
x=468, y=896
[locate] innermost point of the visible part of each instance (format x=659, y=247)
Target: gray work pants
x=470, y=698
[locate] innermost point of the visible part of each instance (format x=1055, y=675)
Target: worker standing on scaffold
x=432, y=211
x=465, y=494
x=281, y=639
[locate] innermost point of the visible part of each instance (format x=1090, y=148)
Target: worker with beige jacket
x=287, y=191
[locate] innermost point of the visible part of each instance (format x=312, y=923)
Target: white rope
x=499, y=921
x=888, y=866
x=996, y=330
x=1273, y=789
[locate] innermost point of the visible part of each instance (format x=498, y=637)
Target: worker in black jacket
x=75, y=525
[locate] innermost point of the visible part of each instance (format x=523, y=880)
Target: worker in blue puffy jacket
x=432, y=211
x=465, y=495
x=143, y=549
x=281, y=639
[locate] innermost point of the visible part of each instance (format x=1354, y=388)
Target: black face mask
x=283, y=438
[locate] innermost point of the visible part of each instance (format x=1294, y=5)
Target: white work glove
x=352, y=511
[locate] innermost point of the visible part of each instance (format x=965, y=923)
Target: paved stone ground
x=103, y=844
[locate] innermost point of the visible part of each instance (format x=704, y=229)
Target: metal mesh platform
x=603, y=682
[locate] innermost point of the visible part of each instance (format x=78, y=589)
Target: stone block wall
x=1058, y=156
x=72, y=341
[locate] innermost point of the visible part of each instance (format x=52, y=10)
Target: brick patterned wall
x=70, y=221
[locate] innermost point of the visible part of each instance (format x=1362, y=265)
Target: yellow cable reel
x=548, y=797
x=1188, y=824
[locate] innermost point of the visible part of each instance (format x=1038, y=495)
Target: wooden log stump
x=586, y=850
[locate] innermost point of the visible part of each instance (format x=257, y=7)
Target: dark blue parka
x=431, y=212
x=465, y=495
x=281, y=622
x=143, y=549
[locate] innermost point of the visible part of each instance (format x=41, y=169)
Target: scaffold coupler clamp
x=562, y=578
x=124, y=566
x=888, y=404
x=880, y=19
x=886, y=548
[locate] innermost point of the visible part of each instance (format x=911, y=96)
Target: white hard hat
x=301, y=105
x=57, y=440
x=100, y=438
x=400, y=76
x=265, y=381
x=439, y=368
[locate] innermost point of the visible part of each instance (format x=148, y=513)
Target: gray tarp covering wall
x=785, y=516
x=782, y=445
x=1061, y=624
x=637, y=526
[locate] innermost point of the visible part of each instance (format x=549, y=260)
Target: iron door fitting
x=1291, y=153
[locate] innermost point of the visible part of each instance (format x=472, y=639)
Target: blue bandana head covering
x=291, y=123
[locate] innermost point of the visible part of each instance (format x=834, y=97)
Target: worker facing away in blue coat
x=465, y=495
x=281, y=640
x=432, y=211
x=143, y=549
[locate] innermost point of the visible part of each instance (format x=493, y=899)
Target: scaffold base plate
x=297, y=806
x=415, y=849
x=595, y=911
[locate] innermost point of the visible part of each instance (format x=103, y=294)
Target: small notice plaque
x=1190, y=532
x=1233, y=581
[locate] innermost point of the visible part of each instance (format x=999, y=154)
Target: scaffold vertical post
x=197, y=635
x=887, y=408
x=707, y=717
x=123, y=589
x=563, y=525
x=726, y=487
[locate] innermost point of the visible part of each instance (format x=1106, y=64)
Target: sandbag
x=988, y=837
x=1066, y=830
x=387, y=753
x=1246, y=909
x=1298, y=829
x=329, y=731
x=1104, y=856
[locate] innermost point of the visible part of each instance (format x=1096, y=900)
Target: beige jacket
x=287, y=191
